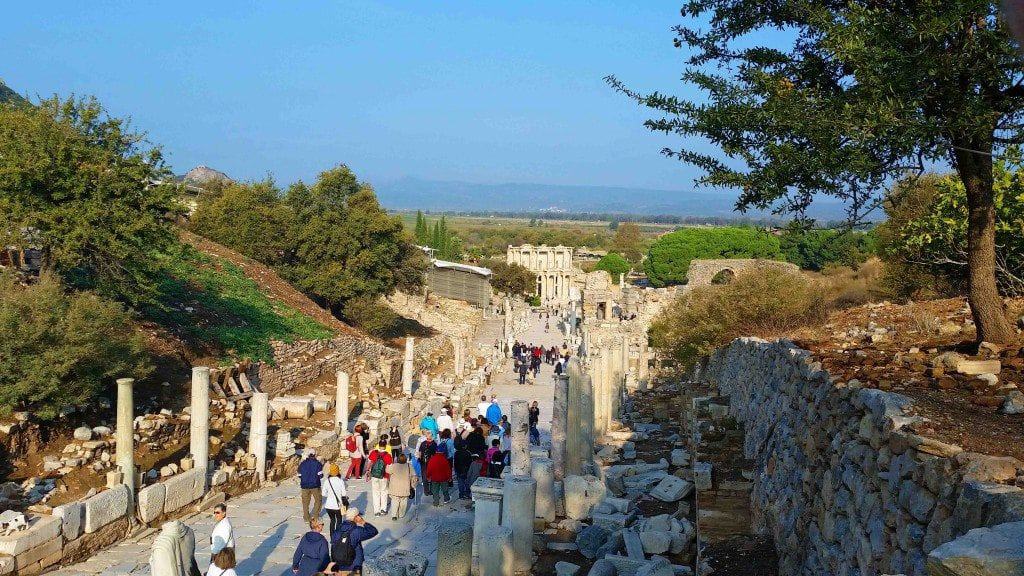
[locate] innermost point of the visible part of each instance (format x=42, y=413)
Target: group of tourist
x=527, y=359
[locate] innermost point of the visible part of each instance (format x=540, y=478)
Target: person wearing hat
x=357, y=530
x=335, y=496
x=310, y=472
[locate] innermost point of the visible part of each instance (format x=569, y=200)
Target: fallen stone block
x=625, y=566
x=582, y=493
x=672, y=489
x=656, y=567
x=591, y=539
x=183, y=489
x=634, y=546
x=611, y=521
x=396, y=562
x=602, y=568
x=566, y=569
x=977, y=367
x=41, y=529
x=702, y=475
x=997, y=551
x=106, y=507
x=72, y=517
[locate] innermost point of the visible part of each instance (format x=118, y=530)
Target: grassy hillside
x=9, y=95
x=211, y=304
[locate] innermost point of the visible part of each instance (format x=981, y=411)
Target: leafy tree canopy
x=669, y=257
x=511, y=279
x=812, y=249
x=59, y=350
x=629, y=242
x=864, y=93
x=78, y=185
x=249, y=218
x=614, y=264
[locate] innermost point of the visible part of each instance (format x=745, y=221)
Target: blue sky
x=482, y=92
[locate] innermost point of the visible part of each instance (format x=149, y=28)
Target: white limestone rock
x=106, y=507
x=672, y=489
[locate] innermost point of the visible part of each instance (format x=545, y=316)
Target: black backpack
x=343, y=553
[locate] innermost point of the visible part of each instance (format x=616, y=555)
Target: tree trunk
x=987, y=305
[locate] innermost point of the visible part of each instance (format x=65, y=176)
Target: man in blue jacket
x=310, y=472
x=358, y=531
x=493, y=413
x=313, y=553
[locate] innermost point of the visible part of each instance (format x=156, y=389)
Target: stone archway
x=724, y=276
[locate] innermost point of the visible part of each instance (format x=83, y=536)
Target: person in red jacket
x=439, y=473
x=379, y=459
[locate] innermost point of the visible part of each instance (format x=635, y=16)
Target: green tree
x=935, y=237
x=614, y=264
x=249, y=218
x=78, y=185
x=344, y=245
x=864, y=92
x=59, y=350
x=669, y=257
x=813, y=249
x=629, y=242
x=511, y=279
x=613, y=225
x=421, y=233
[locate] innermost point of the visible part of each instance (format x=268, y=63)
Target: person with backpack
x=355, y=446
x=401, y=483
x=424, y=450
x=313, y=554
x=347, y=542
x=395, y=442
x=310, y=472
x=495, y=459
x=446, y=446
x=335, y=496
x=379, y=460
x=439, y=474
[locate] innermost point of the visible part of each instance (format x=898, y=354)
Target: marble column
x=543, y=472
x=559, y=423
x=454, y=548
x=125, y=437
x=518, y=508
x=341, y=403
x=260, y=407
x=642, y=369
x=598, y=374
x=199, y=423
x=487, y=496
x=408, y=365
x=496, y=556
x=460, y=360
x=520, y=420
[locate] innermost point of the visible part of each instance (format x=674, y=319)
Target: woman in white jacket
x=335, y=496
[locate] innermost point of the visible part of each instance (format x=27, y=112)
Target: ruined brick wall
x=842, y=482
x=308, y=360
x=701, y=272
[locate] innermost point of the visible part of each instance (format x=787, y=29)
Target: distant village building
x=553, y=267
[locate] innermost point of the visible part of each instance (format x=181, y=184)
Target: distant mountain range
x=441, y=196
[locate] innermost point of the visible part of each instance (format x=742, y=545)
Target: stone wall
x=305, y=361
x=701, y=272
x=843, y=483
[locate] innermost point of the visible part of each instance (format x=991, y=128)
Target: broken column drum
x=125, y=437
x=459, y=353
x=199, y=423
x=260, y=406
x=496, y=556
x=543, y=472
x=520, y=437
x=408, y=365
x=454, y=548
x=518, y=508
x=487, y=496
x=341, y=402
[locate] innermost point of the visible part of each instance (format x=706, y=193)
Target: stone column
x=600, y=377
x=459, y=357
x=496, y=551
x=341, y=403
x=517, y=511
x=543, y=472
x=260, y=406
x=487, y=495
x=199, y=427
x=408, y=366
x=520, y=420
x=642, y=368
x=559, y=422
x=125, y=438
x=454, y=548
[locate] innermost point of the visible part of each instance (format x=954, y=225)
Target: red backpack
x=350, y=443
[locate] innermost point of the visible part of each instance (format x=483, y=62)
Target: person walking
x=379, y=460
x=439, y=474
x=313, y=553
x=401, y=483
x=523, y=368
x=494, y=414
x=395, y=442
x=348, y=542
x=429, y=423
x=356, y=448
x=335, y=496
x=424, y=450
x=223, y=534
x=481, y=408
x=534, y=419
x=446, y=422
x=222, y=563
x=463, y=460
x=310, y=473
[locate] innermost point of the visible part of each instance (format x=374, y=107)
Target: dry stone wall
x=702, y=272
x=308, y=360
x=843, y=484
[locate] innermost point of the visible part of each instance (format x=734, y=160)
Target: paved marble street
x=268, y=522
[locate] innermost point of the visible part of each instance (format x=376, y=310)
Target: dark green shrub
x=670, y=256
